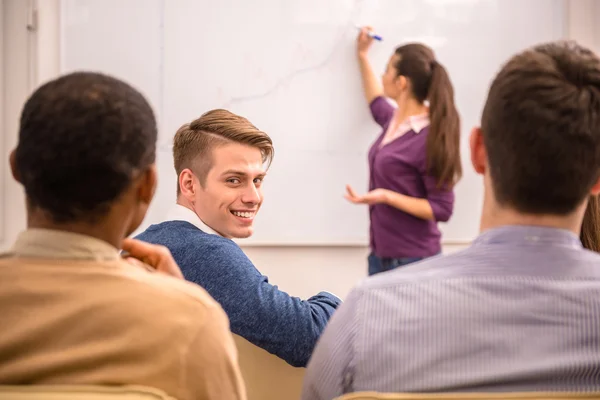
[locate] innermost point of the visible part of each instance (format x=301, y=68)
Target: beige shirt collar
x=54, y=244
x=182, y=213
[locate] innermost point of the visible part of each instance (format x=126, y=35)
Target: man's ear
x=13, y=166
x=478, y=152
x=186, y=184
x=595, y=190
x=147, y=187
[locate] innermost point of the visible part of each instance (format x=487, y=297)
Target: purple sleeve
x=440, y=198
x=381, y=110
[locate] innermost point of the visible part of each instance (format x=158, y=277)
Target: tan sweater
x=73, y=312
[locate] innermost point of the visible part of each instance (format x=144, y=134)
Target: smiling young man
x=221, y=160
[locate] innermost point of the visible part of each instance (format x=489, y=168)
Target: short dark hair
x=541, y=128
x=82, y=139
x=194, y=142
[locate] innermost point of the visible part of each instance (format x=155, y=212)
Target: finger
x=146, y=252
x=351, y=191
x=136, y=248
x=138, y=263
x=171, y=268
x=355, y=199
x=362, y=34
x=349, y=198
x=155, y=256
x=365, y=33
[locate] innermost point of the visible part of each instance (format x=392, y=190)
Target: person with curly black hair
x=74, y=310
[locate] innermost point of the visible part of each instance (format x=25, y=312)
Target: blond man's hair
x=194, y=142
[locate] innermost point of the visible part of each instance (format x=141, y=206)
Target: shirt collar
x=416, y=123
x=182, y=213
x=55, y=244
x=529, y=235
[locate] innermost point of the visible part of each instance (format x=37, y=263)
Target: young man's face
x=232, y=193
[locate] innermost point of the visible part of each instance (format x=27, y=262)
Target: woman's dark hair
x=430, y=81
x=590, y=229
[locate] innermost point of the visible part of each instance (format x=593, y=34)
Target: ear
x=401, y=83
x=13, y=166
x=595, y=190
x=187, y=185
x=147, y=186
x=478, y=153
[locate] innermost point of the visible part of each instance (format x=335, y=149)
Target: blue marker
x=371, y=34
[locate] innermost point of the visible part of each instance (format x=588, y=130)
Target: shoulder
x=202, y=257
x=183, y=235
x=433, y=268
x=171, y=234
x=380, y=103
x=175, y=312
x=167, y=290
x=482, y=262
x=193, y=248
x=381, y=110
x=214, y=246
x=167, y=229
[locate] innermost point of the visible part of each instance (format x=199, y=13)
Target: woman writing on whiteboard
x=415, y=162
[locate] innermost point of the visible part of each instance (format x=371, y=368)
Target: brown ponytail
x=590, y=229
x=443, y=142
x=430, y=81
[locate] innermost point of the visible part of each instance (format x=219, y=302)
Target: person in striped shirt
x=518, y=310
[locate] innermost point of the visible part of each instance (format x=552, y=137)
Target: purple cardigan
x=400, y=166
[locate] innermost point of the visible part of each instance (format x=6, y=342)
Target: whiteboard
x=290, y=67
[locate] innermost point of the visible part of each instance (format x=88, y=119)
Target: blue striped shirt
x=519, y=310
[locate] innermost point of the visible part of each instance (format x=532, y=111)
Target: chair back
x=471, y=396
x=80, y=392
x=267, y=377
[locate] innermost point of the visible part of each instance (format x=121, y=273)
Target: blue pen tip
x=377, y=37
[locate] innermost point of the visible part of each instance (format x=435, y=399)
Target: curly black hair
x=83, y=137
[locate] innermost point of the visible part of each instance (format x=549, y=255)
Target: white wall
x=20, y=49
x=583, y=22
x=16, y=88
x=2, y=121
x=300, y=270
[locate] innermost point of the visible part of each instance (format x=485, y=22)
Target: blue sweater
x=258, y=311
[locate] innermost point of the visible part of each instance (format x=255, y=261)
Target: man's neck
x=184, y=203
x=112, y=234
x=502, y=216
